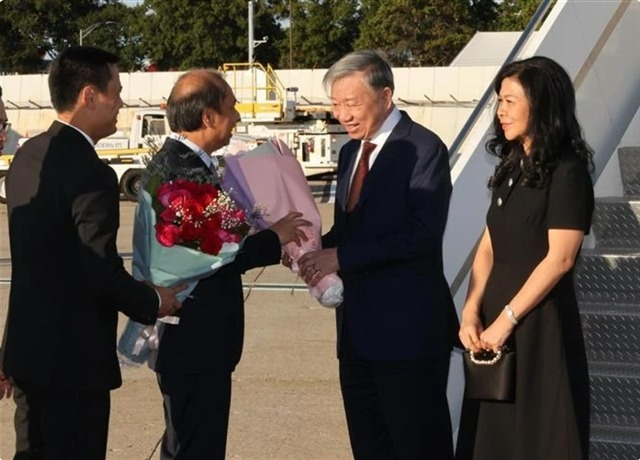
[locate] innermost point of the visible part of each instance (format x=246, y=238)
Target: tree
x=416, y=32
x=119, y=33
x=516, y=14
x=133, y=53
x=184, y=34
x=322, y=32
x=33, y=30
x=484, y=14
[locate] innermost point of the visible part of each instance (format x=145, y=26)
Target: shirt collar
x=381, y=136
x=86, y=136
x=208, y=160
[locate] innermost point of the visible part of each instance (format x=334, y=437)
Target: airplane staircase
x=608, y=288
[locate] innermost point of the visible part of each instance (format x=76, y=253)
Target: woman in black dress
x=521, y=292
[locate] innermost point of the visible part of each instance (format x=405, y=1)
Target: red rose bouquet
x=198, y=216
x=185, y=229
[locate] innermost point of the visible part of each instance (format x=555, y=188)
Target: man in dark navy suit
x=397, y=321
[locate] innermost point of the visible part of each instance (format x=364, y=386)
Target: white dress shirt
x=379, y=138
x=210, y=161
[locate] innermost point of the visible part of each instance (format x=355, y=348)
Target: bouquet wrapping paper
x=163, y=266
x=270, y=180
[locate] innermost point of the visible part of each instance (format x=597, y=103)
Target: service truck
x=127, y=152
x=310, y=131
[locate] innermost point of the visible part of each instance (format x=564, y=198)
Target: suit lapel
x=342, y=191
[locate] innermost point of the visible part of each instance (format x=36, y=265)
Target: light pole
x=253, y=43
x=290, y=36
x=91, y=28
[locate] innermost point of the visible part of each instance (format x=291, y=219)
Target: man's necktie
x=359, y=176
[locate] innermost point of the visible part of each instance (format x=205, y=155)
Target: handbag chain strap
x=485, y=362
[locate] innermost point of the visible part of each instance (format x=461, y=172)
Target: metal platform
x=608, y=288
x=604, y=276
x=630, y=170
x=616, y=223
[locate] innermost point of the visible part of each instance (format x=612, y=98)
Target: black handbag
x=489, y=375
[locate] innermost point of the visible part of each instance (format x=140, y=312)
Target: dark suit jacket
x=210, y=335
x=397, y=303
x=67, y=280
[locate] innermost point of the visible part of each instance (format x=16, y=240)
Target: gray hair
x=376, y=69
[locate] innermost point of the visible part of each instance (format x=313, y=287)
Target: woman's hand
x=470, y=330
x=495, y=336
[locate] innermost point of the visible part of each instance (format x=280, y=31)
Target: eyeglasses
x=5, y=127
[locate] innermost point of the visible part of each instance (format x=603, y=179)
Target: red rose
x=167, y=234
x=212, y=224
x=206, y=194
x=189, y=232
x=167, y=187
x=192, y=187
x=211, y=244
x=192, y=210
x=169, y=215
x=173, y=194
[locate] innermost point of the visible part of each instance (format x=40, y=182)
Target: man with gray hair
x=397, y=322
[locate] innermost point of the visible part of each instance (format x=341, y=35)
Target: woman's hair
x=553, y=128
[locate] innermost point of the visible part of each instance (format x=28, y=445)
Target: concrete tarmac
x=286, y=396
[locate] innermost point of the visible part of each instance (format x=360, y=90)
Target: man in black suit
x=397, y=321
x=4, y=123
x=68, y=281
x=197, y=356
x=23, y=450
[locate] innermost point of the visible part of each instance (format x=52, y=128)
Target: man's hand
x=316, y=265
x=288, y=228
x=6, y=389
x=168, y=302
x=286, y=260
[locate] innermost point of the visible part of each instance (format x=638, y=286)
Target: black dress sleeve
x=570, y=200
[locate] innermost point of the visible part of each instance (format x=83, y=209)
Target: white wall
x=430, y=94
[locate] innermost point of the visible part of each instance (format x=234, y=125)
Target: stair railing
x=484, y=102
x=488, y=95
